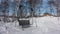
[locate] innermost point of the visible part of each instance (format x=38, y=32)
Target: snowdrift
x=45, y=25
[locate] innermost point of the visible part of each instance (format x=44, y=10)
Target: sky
x=45, y=7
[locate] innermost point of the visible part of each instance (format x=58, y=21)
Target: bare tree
x=31, y=7
x=51, y=3
x=5, y=11
x=57, y=7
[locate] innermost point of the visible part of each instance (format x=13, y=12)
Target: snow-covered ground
x=39, y=25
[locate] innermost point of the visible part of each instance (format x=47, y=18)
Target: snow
x=39, y=25
x=52, y=22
